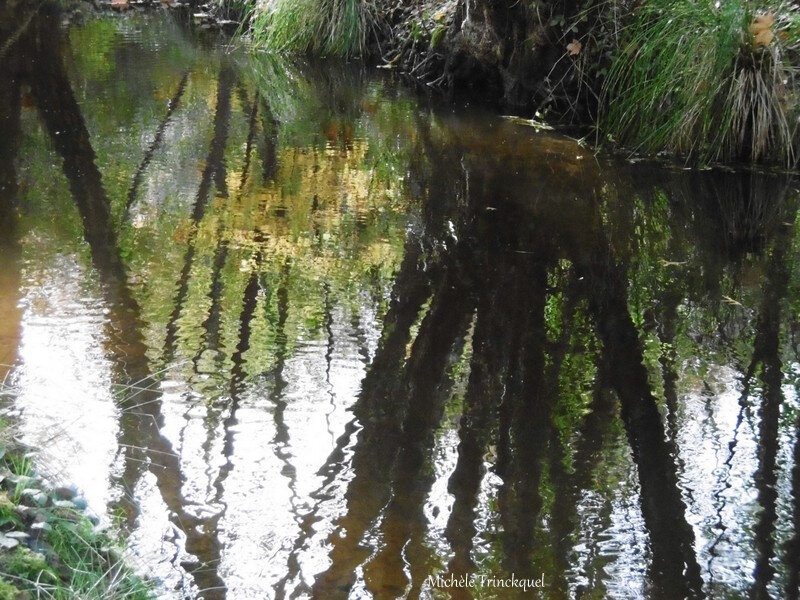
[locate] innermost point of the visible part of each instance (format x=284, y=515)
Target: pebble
x=8, y=543
x=65, y=492
x=31, y=513
x=80, y=502
x=40, y=526
x=64, y=504
x=34, y=497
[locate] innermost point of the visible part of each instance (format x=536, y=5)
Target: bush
x=327, y=27
x=709, y=81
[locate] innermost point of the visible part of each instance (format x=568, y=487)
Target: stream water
x=301, y=333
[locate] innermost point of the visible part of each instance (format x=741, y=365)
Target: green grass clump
x=75, y=560
x=25, y=565
x=325, y=27
x=694, y=79
x=8, y=516
x=92, y=570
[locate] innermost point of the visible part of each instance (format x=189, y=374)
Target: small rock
x=24, y=512
x=64, y=504
x=34, y=497
x=80, y=502
x=7, y=543
x=65, y=492
x=17, y=535
x=39, y=527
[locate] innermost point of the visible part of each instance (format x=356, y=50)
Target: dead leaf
x=763, y=38
x=764, y=21
x=730, y=300
x=761, y=30
x=574, y=47
x=119, y=4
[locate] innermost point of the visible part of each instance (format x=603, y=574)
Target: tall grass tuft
x=707, y=80
x=325, y=27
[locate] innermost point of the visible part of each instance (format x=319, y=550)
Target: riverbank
x=703, y=84
x=50, y=547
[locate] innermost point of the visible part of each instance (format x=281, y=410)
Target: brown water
x=302, y=334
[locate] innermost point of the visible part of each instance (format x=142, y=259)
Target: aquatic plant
x=327, y=27
x=709, y=81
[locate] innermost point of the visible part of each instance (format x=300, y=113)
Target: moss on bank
x=49, y=547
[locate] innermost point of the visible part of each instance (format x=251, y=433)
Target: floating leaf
x=527, y=122
x=672, y=263
x=731, y=301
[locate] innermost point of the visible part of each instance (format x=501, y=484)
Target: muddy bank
x=515, y=56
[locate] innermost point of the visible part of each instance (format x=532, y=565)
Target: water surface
x=301, y=333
